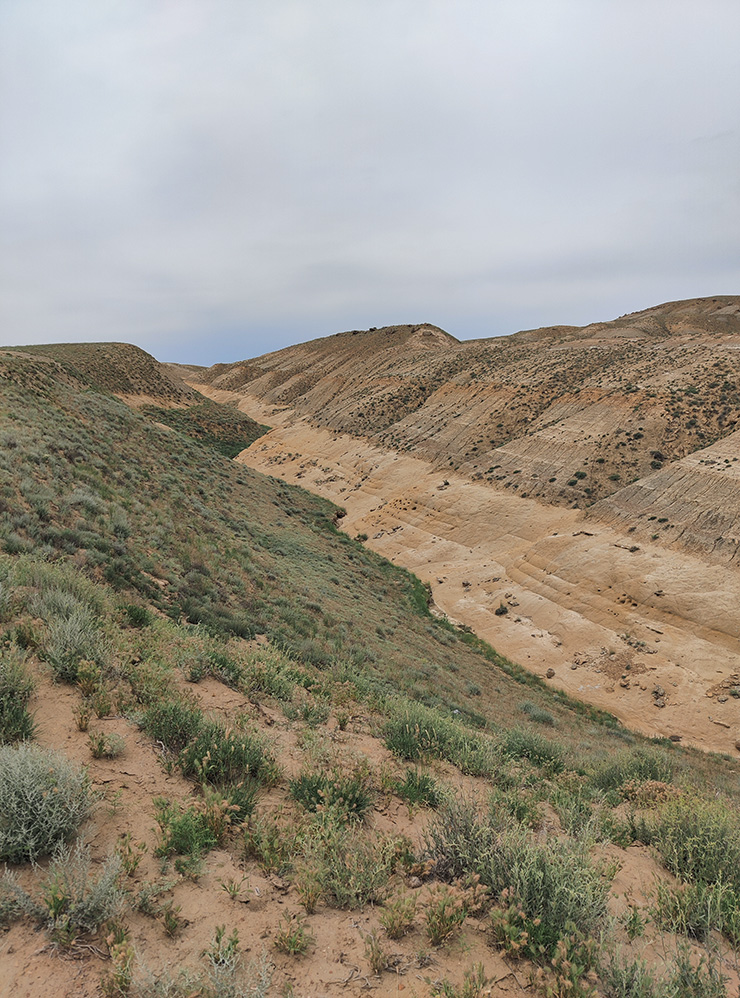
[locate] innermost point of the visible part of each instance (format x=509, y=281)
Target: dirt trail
x=647, y=633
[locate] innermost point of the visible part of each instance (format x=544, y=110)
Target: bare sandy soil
x=644, y=631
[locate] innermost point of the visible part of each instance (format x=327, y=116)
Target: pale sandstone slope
x=621, y=573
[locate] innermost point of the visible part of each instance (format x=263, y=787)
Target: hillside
x=562, y=414
x=277, y=772
x=583, y=478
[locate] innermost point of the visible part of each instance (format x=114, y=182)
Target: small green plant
x=445, y=913
x=419, y=789
x=348, y=794
x=146, y=900
x=223, y=949
x=292, y=936
x=309, y=886
x=106, y=746
x=69, y=900
x=102, y=702
x=375, y=954
x=474, y=981
x=234, y=887
x=398, y=915
x=182, y=832
x=117, y=982
x=634, y=922
x=43, y=800
x=88, y=678
x=131, y=852
x=172, y=921
x=82, y=714
x=16, y=689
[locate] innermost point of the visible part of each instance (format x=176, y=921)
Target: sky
x=214, y=179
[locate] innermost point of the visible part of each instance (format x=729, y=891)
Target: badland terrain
x=244, y=751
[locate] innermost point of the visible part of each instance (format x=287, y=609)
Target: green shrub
x=43, y=800
x=698, y=840
x=538, y=714
x=219, y=755
x=242, y=796
x=697, y=909
x=636, y=765
x=68, y=899
x=397, y=915
x=348, y=794
x=106, y=746
x=517, y=803
x=174, y=723
x=271, y=842
x=16, y=689
x=419, y=788
x=415, y=733
x=575, y=809
x=137, y=616
x=628, y=980
x=72, y=637
x=520, y=744
x=352, y=869
x=701, y=980
x=182, y=832
x=554, y=884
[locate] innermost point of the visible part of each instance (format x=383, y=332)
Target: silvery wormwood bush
x=43, y=799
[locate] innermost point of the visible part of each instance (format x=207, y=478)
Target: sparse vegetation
x=287, y=689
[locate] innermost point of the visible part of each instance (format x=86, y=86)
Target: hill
x=277, y=772
x=584, y=479
x=612, y=402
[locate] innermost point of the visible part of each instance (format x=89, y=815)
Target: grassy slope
x=176, y=525
x=182, y=556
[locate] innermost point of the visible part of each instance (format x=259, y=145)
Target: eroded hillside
x=563, y=414
x=585, y=479
x=239, y=758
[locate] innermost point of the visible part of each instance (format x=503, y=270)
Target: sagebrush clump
x=43, y=800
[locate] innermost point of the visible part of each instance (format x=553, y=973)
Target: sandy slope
x=616, y=625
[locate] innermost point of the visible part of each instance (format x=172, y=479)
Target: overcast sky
x=212, y=179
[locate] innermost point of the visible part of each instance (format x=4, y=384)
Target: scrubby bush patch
x=349, y=794
x=69, y=898
x=43, y=800
x=554, y=884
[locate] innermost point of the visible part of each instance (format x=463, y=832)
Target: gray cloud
x=212, y=180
